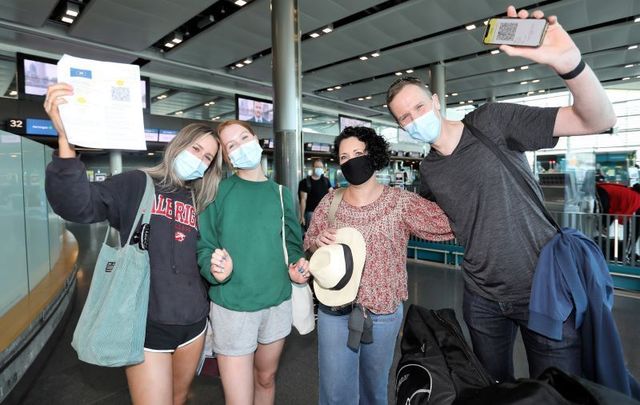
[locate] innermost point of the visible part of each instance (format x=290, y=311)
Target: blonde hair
x=226, y=124
x=204, y=189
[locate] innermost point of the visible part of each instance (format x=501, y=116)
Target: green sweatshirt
x=246, y=220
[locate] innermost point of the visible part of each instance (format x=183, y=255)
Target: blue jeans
x=307, y=219
x=493, y=326
x=348, y=377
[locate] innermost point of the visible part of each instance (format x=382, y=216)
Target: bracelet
x=575, y=72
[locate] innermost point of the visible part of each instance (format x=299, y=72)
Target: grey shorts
x=237, y=333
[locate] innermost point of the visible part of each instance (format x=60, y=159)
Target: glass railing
x=618, y=236
x=31, y=232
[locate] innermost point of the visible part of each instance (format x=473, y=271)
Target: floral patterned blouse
x=386, y=225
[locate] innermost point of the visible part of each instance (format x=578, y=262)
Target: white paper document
x=105, y=110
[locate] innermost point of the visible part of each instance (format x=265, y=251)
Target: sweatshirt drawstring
x=173, y=239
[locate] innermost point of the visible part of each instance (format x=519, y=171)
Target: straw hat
x=337, y=268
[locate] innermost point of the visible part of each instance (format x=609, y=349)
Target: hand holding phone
x=552, y=47
x=515, y=31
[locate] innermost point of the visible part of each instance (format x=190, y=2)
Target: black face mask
x=357, y=170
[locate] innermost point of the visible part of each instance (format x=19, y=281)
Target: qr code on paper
x=120, y=94
x=506, y=31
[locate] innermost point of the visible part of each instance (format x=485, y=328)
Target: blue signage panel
x=40, y=127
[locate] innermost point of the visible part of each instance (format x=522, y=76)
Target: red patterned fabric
x=386, y=225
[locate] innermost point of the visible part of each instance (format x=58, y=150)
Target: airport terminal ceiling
x=198, y=54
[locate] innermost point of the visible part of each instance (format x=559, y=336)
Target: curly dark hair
x=375, y=145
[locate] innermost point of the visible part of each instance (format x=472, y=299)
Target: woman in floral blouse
x=385, y=216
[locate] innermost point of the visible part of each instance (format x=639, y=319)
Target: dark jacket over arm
x=572, y=275
x=75, y=199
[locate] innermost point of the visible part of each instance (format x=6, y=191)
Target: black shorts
x=167, y=338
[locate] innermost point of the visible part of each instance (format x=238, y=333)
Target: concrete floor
x=66, y=380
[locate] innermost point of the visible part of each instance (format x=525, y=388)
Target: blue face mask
x=246, y=156
x=188, y=166
x=318, y=171
x=425, y=128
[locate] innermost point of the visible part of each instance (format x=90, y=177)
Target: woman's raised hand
x=54, y=98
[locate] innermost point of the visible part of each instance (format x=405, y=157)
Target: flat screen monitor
x=145, y=92
x=254, y=110
x=166, y=135
x=346, y=121
x=35, y=74
x=151, y=134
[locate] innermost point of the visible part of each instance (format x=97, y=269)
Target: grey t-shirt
x=501, y=229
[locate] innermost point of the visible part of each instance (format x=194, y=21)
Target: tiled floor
x=65, y=380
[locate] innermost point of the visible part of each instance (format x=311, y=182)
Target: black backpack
x=437, y=364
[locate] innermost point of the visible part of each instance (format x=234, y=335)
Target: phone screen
x=515, y=31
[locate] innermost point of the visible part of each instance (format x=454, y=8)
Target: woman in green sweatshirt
x=241, y=254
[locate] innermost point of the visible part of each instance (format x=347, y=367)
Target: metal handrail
x=619, y=244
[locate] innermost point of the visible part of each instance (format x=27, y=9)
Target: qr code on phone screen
x=120, y=94
x=506, y=31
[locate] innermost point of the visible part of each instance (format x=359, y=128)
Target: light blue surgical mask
x=425, y=128
x=246, y=156
x=318, y=171
x=188, y=167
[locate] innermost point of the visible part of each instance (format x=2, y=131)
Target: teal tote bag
x=111, y=328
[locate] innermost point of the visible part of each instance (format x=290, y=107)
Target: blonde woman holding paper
x=185, y=182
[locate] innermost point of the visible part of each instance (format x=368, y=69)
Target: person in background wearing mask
x=241, y=255
x=500, y=227
x=258, y=113
x=185, y=182
x=385, y=216
x=311, y=190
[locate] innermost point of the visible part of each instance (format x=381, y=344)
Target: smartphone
x=515, y=31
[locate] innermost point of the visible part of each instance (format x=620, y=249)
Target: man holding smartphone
x=499, y=225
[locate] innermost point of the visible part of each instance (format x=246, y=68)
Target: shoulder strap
x=333, y=208
x=518, y=176
x=145, y=207
x=284, y=243
x=308, y=183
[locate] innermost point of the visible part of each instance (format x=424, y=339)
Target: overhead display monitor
x=35, y=75
x=145, y=91
x=151, y=134
x=347, y=121
x=166, y=135
x=254, y=110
